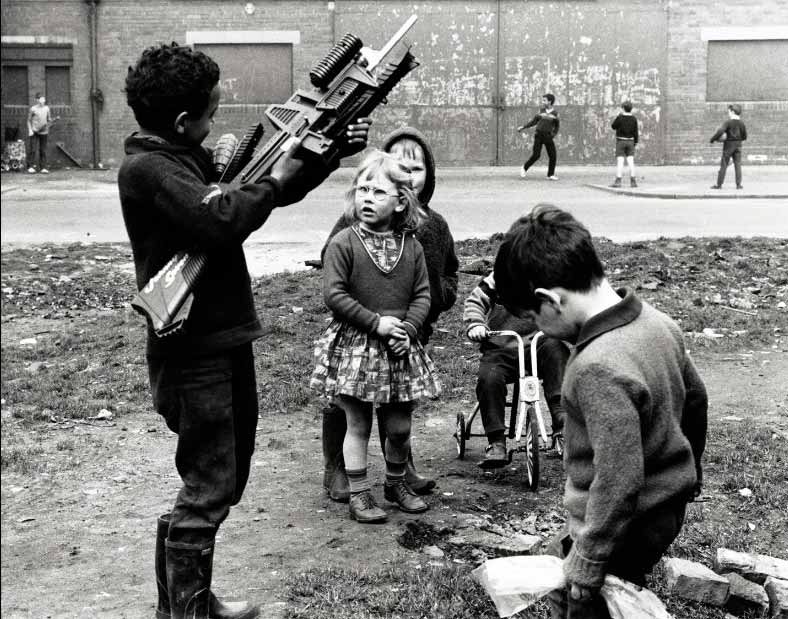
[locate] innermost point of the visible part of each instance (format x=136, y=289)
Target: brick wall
x=64, y=20
x=125, y=27
x=690, y=119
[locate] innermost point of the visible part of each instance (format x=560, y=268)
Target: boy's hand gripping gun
x=349, y=83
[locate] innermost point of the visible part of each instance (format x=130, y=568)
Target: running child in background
x=547, y=123
x=375, y=283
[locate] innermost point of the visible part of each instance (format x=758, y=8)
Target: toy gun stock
x=349, y=83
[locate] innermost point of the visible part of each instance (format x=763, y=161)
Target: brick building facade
x=484, y=66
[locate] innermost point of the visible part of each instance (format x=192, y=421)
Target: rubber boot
x=617, y=182
x=216, y=608
x=189, y=571
x=334, y=477
x=163, y=605
x=418, y=483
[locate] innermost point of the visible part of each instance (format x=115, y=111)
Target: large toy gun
x=349, y=83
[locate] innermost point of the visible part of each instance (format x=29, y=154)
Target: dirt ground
x=79, y=542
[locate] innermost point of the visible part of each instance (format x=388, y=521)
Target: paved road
x=71, y=207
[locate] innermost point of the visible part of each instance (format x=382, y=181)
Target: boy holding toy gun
x=202, y=378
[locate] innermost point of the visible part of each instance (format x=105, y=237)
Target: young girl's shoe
x=364, y=509
x=408, y=501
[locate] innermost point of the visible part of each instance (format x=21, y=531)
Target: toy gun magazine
x=347, y=84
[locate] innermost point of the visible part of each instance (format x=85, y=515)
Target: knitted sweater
x=359, y=293
x=169, y=205
x=626, y=127
x=433, y=233
x=481, y=308
x=635, y=429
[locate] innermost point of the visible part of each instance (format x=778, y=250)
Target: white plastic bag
x=626, y=600
x=515, y=583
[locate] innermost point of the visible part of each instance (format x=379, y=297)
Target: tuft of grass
x=403, y=592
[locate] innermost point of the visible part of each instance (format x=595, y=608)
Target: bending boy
x=635, y=407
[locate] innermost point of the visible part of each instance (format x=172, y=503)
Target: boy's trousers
x=499, y=367
x=211, y=404
x=546, y=140
x=730, y=150
x=38, y=150
x=639, y=550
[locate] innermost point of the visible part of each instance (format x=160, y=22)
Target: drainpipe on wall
x=96, y=96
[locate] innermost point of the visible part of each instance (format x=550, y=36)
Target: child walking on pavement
x=410, y=147
x=376, y=285
x=547, y=124
x=733, y=133
x=626, y=127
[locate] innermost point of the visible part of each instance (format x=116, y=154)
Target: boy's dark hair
x=545, y=249
x=550, y=97
x=735, y=108
x=627, y=106
x=38, y=95
x=168, y=80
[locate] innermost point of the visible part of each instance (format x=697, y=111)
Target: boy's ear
x=549, y=296
x=180, y=122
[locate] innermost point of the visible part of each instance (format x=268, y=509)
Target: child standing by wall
x=202, y=377
x=626, y=127
x=375, y=283
x=733, y=133
x=38, y=121
x=410, y=147
x=547, y=124
x=636, y=408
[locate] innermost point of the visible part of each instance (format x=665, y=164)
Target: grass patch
x=88, y=355
x=404, y=592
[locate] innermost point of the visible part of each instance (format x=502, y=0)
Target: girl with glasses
x=376, y=285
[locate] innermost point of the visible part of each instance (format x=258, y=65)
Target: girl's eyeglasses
x=379, y=195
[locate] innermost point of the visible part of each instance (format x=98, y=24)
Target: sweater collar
x=620, y=314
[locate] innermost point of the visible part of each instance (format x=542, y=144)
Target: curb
x=667, y=195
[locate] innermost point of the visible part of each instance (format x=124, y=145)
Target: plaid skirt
x=351, y=362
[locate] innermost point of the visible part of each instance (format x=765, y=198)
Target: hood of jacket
x=429, y=160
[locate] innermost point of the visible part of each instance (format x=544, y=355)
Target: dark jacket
x=733, y=129
x=547, y=123
x=169, y=204
x=626, y=127
x=433, y=234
